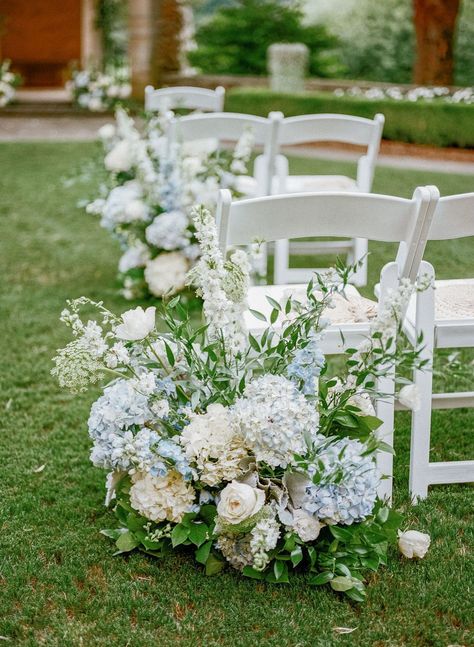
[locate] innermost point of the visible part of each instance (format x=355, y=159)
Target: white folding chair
x=185, y=97
x=228, y=127
x=379, y=217
x=307, y=129
x=445, y=316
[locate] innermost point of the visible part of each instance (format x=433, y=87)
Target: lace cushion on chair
x=454, y=299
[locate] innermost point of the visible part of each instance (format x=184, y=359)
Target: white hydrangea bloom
x=136, y=256
x=169, y=231
x=275, y=420
x=212, y=446
x=166, y=274
x=161, y=498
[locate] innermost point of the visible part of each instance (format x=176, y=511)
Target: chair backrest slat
x=189, y=98
x=371, y=216
x=330, y=127
x=453, y=218
x=224, y=126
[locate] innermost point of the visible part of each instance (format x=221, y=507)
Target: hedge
x=437, y=123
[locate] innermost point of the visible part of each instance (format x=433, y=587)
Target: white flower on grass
x=409, y=397
x=120, y=158
x=107, y=132
x=136, y=210
x=166, y=274
x=137, y=324
x=136, y=256
x=238, y=502
x=161, y=498
x=212, y=446
x=124, y=204
x=275, y=420
x=305, y=525
x=413, y=544
x=169, y=231
x=264, y=538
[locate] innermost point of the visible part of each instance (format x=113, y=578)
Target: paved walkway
x=84, y=128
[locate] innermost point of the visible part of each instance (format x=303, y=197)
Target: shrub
x=236, y=38
x=436, y=122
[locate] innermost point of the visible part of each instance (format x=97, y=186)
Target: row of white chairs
x=271, y=174
x=411, y=223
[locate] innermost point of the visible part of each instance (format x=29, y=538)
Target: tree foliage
x=236, y=38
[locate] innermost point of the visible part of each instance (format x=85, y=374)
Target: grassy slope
x=59, y=583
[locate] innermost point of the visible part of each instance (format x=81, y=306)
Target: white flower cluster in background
x=8, y=84
x=98, y=91
x=421, y=93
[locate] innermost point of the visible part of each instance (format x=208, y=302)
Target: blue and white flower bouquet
x=241, y=450
x=96, y=90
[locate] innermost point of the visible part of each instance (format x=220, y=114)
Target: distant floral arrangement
x=97, y=91
x=147, y=200
x=244, y=450
x=8, y=84
x=462, y=95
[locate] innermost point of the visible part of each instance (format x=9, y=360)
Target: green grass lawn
x=59, y=584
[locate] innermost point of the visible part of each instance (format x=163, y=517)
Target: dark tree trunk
x=167, y=40
x=435, y=26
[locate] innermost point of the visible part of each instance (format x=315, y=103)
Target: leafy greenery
x=236, y=38
x=111, y=20
x=60, y=585
x=437, y=123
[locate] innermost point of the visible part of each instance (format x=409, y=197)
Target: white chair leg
x=421, y=419
x=281, y=261
x=360, y=248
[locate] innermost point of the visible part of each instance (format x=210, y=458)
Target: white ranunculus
x=106, y=132
x=239, y=501
x=306, y=526
x=120, y=158
x=137, y=324
x=409, y=396
x=166, y=274
x=413, y=543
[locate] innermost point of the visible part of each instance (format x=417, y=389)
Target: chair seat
x=350, y=316
x=454, y=313
x=299, y=184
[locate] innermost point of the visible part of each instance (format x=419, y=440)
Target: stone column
x=91, y=50
x=140, y=47
x=287, y=64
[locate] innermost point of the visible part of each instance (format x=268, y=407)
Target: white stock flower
x=409, y=397
x=120, y=158
x=161, y=498
x=137, y=324
x=413, y=543
x=211, y=444
x=166, y=274
x=305, y=525
x=239, y=501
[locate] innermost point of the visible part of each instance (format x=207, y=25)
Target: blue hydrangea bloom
x=306, y=366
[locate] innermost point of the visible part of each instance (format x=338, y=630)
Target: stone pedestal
x=287, y=64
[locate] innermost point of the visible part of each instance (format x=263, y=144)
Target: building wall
x=42, y=38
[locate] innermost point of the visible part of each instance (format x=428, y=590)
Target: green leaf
x=342, y=583
x=113, y=533
x=274, y=316
x=372, y=422
x=169, y=354
x=198, y=533
x=254, y=343
x=135, y=522
x=296, y=555
x=249, y=571
x=202, y=553
x=272, y=302
x=126, y=542
x=321, y=578
x=342, y=534
x=383, y=514
x=179, y=534
x=358, y=595
x=258, y=315
x=208, y=513
x=214, y=565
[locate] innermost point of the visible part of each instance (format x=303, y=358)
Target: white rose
x=239, y=501
x=96, y=105
x=137, y=324
x=136, y=210
x=166, y=274
x=125, y=91
x=106, y=132
x=409, y=396
x=413, y=543
x=306, y=526
x=119, y=158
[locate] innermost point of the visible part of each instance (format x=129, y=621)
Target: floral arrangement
x=422, y=93
x=8, y=84
x=147, y=202
x=98, y=91
x=243, y=450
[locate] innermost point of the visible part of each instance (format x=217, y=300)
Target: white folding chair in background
x=228, y=127
x=308, y=129
x=445, y=316
x=184, y=97
x=376, y=217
